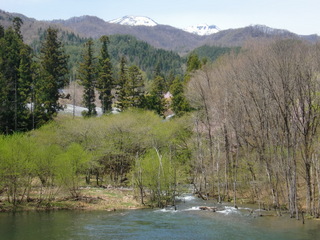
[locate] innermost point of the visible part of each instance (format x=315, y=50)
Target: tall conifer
x=53, y=76
x=105, y=82
x=88, y=79
x=135, y=87
x=121, y=84
x=15, y=80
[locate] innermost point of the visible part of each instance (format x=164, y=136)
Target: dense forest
x=137, y=52
x=245, y=126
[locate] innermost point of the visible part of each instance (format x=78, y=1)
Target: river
x=187, y=222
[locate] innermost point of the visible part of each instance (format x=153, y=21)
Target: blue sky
x=299, y=16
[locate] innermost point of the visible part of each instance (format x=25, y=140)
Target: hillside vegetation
x=245, y=126
x=135, y=149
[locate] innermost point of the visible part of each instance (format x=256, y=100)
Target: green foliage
x=105, y=82
x=155, y=99
x=15, y=82
x=180, y=104
x=70, y=165
x=212, y=52
x=137, y=53
x=17, y=23
x=60, y=155
x=16, y=166
x=53, y=76
x=45, y=161
x=193, y=63
x=121, y=89
x=87, y=75
x=165, y=164
x=144, y=55
x=132, y=90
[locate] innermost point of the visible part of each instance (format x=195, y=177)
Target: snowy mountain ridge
x=202, y=29
x=135, y=21
x=129, y=20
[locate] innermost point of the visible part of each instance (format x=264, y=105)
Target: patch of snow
x=202, y=29
x=135, y=21
x=69, y=108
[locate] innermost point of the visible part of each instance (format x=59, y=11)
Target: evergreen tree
x=180, y=105
x=88, y=79
x=105, y=80
x=135, y=87
x=25, y=87
x=53, y=77
x=193, y=63
x=121, y=85
x=3, y=82
x=15, y=81
x=17, y=23
x=130, y=88
x=155, y=100
x=1, y=31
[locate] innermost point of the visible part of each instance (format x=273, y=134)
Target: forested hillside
x=160, y=36
x=212, y=53
x=245, y=126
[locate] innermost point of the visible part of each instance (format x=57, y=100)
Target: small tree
x=71, y=164
x=17, y=166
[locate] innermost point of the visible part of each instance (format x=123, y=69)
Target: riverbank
x=90, y=198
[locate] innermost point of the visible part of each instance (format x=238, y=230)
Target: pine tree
x=1, y=31
x=121, y=84
x=15, y=81
x=180, y=105
x=25, y=87
x=53, y=77
x=88, y=79
x=105, y=80
x=3, y=82
x=156, y=100
x=135, y=87
x=193, y=63
x=17, y=23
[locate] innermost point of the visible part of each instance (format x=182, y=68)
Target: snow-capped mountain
x=202, y=29
x=135, y=21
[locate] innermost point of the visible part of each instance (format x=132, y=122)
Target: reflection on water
x=187, y=222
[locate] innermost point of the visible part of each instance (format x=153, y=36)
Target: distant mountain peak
x=202, y=29
x=135, y=21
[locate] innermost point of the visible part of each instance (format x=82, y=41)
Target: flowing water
x=187, y=222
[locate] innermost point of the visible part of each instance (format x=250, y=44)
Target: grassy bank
x=90, y=198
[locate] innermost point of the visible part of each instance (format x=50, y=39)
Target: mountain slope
x=238, y=37
x=159, y=36
x=170, y=38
